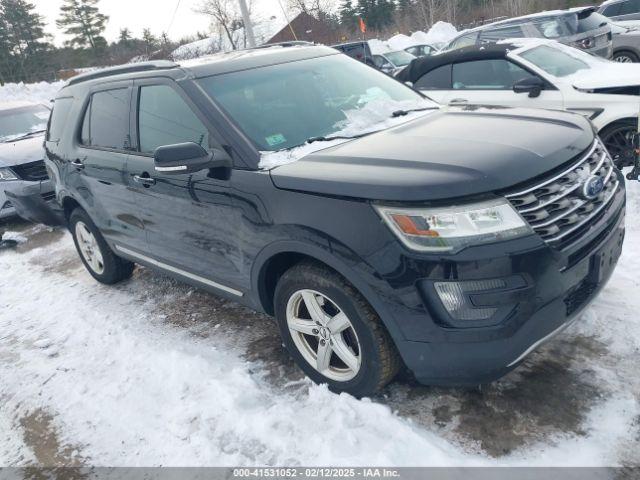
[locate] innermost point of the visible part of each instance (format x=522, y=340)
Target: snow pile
x=440, y=32
x=375, y=114
x=42, y=92
x=196, y=49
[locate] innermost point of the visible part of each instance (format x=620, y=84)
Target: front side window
x=437, y=79
x=612, y=10
x=557, y=62
x=281, y=106
x=106, y=120
x=495, y=74
x=629, y=7
x=22, y=122
x=164, y=118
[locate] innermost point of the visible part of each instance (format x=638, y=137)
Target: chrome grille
x=557, y=208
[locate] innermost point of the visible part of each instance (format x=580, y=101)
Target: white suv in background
x=538, y=73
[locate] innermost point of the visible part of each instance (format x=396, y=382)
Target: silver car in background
x=23, y=174
x=582, y=28
x=621, y=9
x=626, y=42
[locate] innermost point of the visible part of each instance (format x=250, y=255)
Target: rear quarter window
x=437, y=79
x=58, y=118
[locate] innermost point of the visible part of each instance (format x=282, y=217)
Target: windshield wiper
x=322, y=138
x=26, y=135
x=402, y=113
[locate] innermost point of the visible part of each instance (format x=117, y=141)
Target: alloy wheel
x=623, y=59
x=324, y=335
x=89, y=248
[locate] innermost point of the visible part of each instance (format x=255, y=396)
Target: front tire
x=625, y=57
x=618, y=138
x=97, y=257
x=332, y=333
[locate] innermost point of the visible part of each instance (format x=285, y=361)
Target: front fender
x=334, y=256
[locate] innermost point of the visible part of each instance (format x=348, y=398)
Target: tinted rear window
x=58, y=120
x=438, y=79
x=106, y=120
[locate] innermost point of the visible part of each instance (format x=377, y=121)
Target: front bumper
x=35, y=202
x=550, y=290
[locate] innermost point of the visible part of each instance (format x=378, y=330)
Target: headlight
x=450, y=229
x=6, y=174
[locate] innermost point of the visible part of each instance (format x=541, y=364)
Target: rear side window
x=438, y=79
x=58, y=118
x=106, y=120
x=494, y=35
x=164, y=118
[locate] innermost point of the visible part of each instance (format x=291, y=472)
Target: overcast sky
x=153, y=14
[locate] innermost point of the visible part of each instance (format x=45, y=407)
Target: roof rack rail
x=128, y=68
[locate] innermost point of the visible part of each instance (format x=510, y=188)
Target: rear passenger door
x=189, y=218
x=97, y=166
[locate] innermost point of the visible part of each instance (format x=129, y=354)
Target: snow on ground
x=128, y=375
x=41, y=92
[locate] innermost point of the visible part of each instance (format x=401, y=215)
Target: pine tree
x=23, y=42
x=82, y=20
x=125, y=36
x=347, y=14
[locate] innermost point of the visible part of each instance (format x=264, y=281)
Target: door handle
x=458, y=100
x=144, y=180
x=77, y=163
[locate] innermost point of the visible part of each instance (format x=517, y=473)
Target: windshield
x=400, y=58
x=19, y=122
x=558, y=62
x=282, y=106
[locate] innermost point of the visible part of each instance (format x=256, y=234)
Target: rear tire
x=618, y=138
x=95, y=253
x=358, y=356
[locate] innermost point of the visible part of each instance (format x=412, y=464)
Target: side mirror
x=531, y=85
x=186, y=157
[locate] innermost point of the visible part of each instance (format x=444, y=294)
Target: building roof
x=308, y=28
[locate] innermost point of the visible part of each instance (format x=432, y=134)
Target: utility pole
x=248, y=28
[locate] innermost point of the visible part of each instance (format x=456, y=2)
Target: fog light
x=455, y=298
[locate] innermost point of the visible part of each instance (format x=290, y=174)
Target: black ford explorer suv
x=380, y=230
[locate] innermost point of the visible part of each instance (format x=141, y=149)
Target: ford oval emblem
x=592, y=187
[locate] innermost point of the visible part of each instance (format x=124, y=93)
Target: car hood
x=21, y=151
x=614, y=76
x=446, y=154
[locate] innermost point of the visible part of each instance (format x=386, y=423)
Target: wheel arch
x=277, y=258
